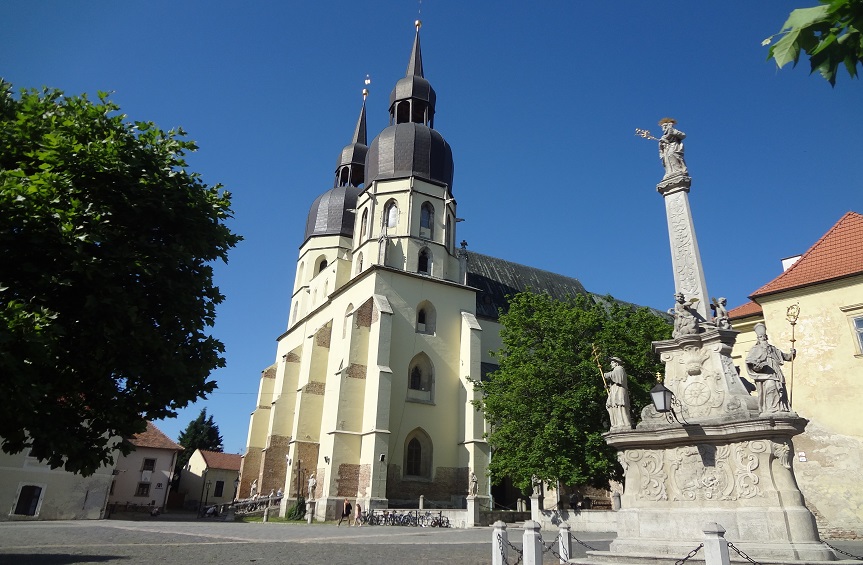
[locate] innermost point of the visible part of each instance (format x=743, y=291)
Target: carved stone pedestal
x=735, y=473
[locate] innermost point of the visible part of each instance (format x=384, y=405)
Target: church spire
x=415, y=65
x=350, y=169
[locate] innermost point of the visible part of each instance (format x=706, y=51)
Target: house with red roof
x=825, y=382
x=210, y=478
x=143, y=477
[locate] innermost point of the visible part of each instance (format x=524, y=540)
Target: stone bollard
x=531, y=545
x=615, y=501
x=499, y=543
x=266, y=514
x=536, y=508
x=564, y=543
x=422, y=501
x=715, y=546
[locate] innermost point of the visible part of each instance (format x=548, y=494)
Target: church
x=391, y=322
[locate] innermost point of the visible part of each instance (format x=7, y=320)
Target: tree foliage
x=106, y=290
x=201, y=433
x=546, y=402
x=830, y=34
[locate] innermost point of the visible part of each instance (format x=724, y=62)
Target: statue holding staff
x=617, y=403
x=764, y=364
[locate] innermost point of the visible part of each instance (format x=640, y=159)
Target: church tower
x=407, y=212
x=371, y=393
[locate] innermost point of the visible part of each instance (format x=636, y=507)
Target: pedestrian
x=358, y=515
x=346, y=513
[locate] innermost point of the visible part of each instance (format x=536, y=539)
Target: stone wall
x=250, y=470
x=348, y=480
x=273, y=464
x=827, y=467
x=449, y=486
x=306, y=452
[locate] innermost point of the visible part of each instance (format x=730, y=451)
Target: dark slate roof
x=409, y=149
x=328, y=214
x=496, y=279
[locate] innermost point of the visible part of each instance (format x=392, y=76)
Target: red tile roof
x=154, y=437
x=838, y=254
x=216, y=460
x=748, y=309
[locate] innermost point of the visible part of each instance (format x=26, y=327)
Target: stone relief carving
x=699, y=473
x=703, y=395
x=678, y=220
x=693, y=358
x=652, y=473
x=781, y=452
x=702, y=472
x=746, y=459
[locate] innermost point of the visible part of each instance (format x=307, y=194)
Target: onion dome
x=409, y=146
x=329, y=212
x=332, y=213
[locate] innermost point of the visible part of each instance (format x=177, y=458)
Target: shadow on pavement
x=54, y=558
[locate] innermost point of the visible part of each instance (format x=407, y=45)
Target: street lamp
x=664, y=401
x=208, y=496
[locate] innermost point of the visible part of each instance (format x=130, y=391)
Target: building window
x=426, y=318
x=220, y=487
x=424, y=262
x=29, y=498
x=414, y=461
x=149, y=465
x=421, y=379
x=300, y=273
x=858, y=329
x=391, y=214
x=418, y=454
x=364, y=224
x=427, y=221
x=360, y=263
x=143, y=489
x=322, y=265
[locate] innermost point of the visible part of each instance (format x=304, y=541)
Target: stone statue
x=671, y=148
x=473, y=488
x=685, y=321
x=720, y=313
x=312, y=484
x=537, y=485
x=254, y=489
x=764, y=364
x=618, y=395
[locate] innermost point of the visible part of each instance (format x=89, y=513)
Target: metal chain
x=836, y=549
x=503, y=552
x=691, y=554
x=583, y=544
x=550, y=547
x=741, y=554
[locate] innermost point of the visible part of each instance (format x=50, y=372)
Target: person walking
x=346, y=513
x=358, y=515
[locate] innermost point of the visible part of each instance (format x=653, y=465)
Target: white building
x=143, y=477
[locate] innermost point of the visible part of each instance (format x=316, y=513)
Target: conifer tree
x=201, y=433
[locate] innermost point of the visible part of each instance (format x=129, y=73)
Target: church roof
x=745, y=310
x=153, y=437
x=838, y=254
x=216, y=460
x=496, y=279
x=329, y=212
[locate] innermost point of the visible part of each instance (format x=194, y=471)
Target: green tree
x=106, y=288
x=546, y=402
x=830, y=34
x=201, y=433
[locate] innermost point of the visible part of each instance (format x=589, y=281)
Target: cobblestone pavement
x=214, y=543
x=206, y=542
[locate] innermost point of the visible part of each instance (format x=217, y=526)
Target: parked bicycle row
x=416, y=518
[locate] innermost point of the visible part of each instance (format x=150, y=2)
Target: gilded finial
x=366, y=90
x=418, y=24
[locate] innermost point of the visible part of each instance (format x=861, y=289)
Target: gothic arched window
x=391, y=214
x=427, y=221
x=424, y=261
x=418, y=454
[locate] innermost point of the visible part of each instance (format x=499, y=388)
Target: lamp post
x=208, y=495
x=203, y=481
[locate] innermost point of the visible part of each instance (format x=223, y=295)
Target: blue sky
x=539, y=102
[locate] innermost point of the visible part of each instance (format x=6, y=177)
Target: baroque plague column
x=719, y=459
